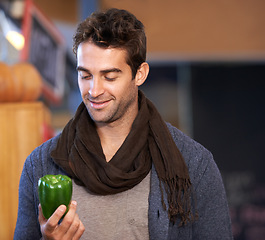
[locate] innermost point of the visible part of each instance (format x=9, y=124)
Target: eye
x=84, y=75
x=110, y=78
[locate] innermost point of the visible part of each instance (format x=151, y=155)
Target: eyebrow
x=80, y=68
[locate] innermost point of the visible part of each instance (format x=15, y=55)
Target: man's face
x=106, y=84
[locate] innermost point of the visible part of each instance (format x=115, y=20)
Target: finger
x=52, y=222
x=74, y=227
x=42, y=219
x=79, y=232
x=69, y=217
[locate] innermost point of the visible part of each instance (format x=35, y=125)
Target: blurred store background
x=207, y=77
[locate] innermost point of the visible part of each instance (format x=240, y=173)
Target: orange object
x=6, y=83
x=20, y=82
x=29, y=80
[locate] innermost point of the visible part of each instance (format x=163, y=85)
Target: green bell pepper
x=54, y=190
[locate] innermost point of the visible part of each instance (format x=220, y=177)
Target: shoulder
x=196, y=156
x=187, y=146
x=39, y=162
x=47, y=146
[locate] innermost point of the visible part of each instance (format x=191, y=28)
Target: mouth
x=99, y=104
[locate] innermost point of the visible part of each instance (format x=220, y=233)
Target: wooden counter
x=22, y=128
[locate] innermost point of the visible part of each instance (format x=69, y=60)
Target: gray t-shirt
x=119, y=216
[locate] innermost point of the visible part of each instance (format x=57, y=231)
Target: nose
x=96, y=87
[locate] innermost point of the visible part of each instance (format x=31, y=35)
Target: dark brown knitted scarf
x=80, y=154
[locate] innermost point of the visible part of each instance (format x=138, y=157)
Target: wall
x=200, y=29
x=60, y=10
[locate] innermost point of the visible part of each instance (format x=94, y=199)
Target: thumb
x=41, y=217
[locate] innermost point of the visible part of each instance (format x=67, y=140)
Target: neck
x=112, y=135
x=113, y=131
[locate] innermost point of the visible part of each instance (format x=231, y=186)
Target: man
x=135, y=176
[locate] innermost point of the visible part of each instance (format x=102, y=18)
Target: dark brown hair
x=117, y=29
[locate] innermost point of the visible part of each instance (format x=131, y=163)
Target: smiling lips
x=99, y=104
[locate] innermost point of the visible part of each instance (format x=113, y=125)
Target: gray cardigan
x=214, y=220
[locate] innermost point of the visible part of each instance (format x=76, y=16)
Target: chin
x=100, y=119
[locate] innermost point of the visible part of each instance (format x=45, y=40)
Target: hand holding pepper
x=70, y=228
x=55, y=193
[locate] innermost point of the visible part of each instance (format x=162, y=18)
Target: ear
x=141, y=74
